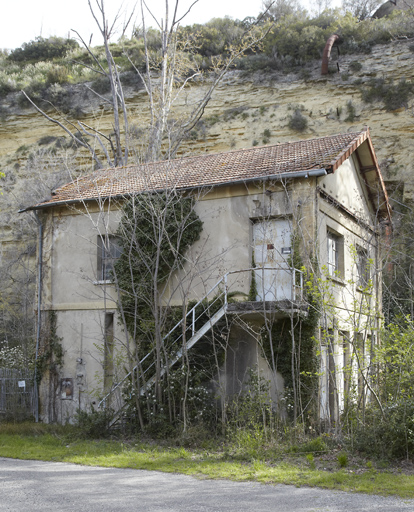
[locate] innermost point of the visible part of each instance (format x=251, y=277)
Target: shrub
x=47, y=139
x=101, y=85
x=350, y=111
x=298, y=122
x=42, y=49
x=342, y=460
x=95, y=424
x=393, y=95
x=355, y=66
x=57, y=75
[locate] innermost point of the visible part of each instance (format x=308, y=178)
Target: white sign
x=22, y=383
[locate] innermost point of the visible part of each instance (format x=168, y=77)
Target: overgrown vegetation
x=213, y=459
x=294, y=39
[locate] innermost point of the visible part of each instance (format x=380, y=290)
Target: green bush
x=389, y=436
x=94, y=424
x=42, y=49
x=315, y=445
x=342, y=460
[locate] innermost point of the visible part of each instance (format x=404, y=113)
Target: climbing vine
x=50, y=357
x=302, y=375
x=154, y=233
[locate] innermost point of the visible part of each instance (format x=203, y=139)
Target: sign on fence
x=16, y=394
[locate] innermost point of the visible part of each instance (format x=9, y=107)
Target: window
x=362, y=265
x=109, y=251
x=335, y=254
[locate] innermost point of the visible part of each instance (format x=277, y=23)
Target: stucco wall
x=228, y=214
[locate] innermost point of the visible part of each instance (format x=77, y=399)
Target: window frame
x=335, y=254
x=108, y=251
x=362, y=267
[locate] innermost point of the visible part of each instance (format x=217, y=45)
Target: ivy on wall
x=155, y=231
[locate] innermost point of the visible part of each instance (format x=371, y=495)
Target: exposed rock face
x=245, y=110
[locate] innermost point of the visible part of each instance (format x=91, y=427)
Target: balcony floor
x=277, y=309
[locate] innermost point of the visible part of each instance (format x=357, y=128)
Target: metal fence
x=16, y=394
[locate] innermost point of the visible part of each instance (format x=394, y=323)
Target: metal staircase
x=185, y=334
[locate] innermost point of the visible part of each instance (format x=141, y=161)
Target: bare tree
x=167, y=75
x=361, y=9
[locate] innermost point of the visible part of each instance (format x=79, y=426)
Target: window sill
x=337, y=280
x=364, y=291
x=100, y=283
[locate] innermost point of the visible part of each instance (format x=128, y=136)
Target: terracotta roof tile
x=212, y=169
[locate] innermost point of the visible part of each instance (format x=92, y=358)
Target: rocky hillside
x=246, y=110
x=256, y=109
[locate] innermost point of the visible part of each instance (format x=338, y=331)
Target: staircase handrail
x=192, y=311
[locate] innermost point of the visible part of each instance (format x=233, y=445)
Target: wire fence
x=16, y=394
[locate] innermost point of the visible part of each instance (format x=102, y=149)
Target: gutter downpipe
x=39, y=302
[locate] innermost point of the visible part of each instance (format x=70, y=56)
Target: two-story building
x=274, y=218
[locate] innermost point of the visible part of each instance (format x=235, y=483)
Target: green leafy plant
x=94, y=424
x=342, y=460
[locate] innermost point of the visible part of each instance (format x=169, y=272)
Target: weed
x=345, y=76
x=342, y=460
x=310, y=458
x=255, y=142
x=245, y=115
x=262, y=109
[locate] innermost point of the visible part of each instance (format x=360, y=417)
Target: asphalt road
x=27, y=486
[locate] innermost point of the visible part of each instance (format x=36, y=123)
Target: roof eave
x=309, y=173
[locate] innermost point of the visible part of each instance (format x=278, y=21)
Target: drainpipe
x=327, y=53
x=39, y=302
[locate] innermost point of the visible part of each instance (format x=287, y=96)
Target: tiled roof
x=212, y=169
